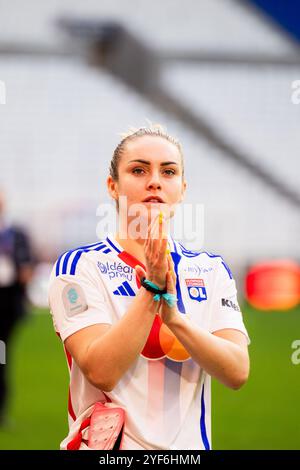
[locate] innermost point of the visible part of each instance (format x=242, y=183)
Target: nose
x=154, y=181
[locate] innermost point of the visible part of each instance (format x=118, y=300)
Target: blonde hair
x=156, y=130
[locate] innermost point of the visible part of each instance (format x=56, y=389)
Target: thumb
x=140, y=272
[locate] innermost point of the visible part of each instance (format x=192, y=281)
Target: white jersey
x=165, y=393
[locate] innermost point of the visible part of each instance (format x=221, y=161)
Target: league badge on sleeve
x=196, y=289
x=74, y=299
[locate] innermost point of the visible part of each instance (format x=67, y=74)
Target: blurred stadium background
x=219, y=75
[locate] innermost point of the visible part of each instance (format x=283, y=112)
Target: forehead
x=152, y=148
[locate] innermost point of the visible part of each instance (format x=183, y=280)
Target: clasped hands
x=159, y=265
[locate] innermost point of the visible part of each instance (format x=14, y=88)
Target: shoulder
x=206, y=259
x=77, y=260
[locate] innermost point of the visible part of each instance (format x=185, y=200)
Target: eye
x=172, y=172
x=137, y=171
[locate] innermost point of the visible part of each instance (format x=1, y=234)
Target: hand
x=167, y=313
x=155, y=252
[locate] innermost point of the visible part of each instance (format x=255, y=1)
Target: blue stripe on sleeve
x=64, y=270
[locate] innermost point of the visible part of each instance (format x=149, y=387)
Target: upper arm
x=225, y=314
x=80, y=310
x=235, y=336
x=77, y=301
x=79, y=343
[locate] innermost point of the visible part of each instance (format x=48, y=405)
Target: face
x=150, y=167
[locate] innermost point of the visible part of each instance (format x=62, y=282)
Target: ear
x=184, y=185
x=112, y=187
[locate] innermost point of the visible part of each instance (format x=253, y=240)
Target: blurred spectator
x=15, y=273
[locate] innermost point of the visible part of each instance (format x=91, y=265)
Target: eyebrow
x=149, y=163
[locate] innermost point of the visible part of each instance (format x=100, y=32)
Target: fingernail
x=168, y=251
x=161, y=217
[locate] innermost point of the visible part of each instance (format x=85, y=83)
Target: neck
x=134, y=247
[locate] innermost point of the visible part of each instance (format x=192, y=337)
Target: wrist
x=159, y=284
x=176, y=320
x=147, y=299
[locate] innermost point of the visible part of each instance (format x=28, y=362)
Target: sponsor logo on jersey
x=116, y=270
x=196, y=289
x=230, y=304
x=197, y=270
x=162, y=343
x=125, y=290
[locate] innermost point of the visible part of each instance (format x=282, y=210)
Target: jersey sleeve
x=76, y=301
x=225, y=310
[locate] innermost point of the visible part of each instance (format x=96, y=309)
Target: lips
x=154, y=199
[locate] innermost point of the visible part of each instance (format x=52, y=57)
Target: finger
x=151, y=247
x=154, y=249
x=140, y=272
x=156, y=237
x=163, y=227
x=170, y=283
x=162, y=250
x=171, y=263
x=163, y=237
x=173, y=270
x=153, y=231
x=162, y=256
x=148, y=244
x=151, y=237
x=153, y=226
x=158, y=228
x=160, y=225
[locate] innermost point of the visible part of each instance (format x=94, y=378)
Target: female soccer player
x=145, y=322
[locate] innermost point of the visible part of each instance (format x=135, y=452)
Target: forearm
x=111, y=355
x=220, y=358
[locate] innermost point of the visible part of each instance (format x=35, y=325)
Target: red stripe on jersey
x=74, y=444
x=70, y=406
x=130, y=260
x=107, y=398
x=69, y=359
